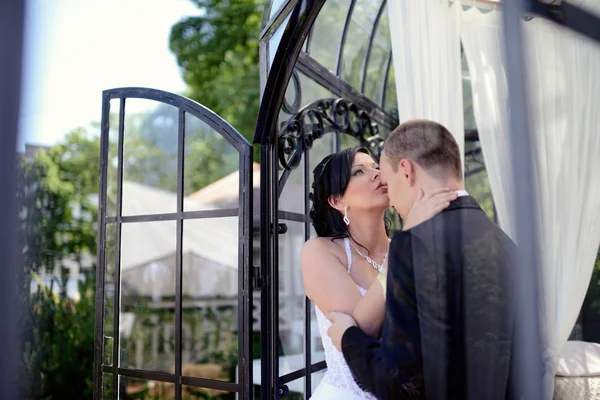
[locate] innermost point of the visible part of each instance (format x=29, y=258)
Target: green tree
x=218, y=53
x=57, y=231
x=58, y=193
x=151, y=145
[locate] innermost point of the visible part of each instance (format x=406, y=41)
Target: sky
x=75, y=49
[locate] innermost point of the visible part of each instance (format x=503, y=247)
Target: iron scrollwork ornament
x=320, y=118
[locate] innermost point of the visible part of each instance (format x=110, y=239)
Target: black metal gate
x=168, y=262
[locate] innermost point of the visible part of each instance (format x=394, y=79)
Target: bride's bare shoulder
x=320, y=245
x=321, y=260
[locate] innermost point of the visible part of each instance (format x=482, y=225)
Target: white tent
x=148, y=249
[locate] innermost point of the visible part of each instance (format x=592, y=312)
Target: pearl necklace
x=378, y=267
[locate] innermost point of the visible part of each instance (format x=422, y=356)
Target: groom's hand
x=340, y=322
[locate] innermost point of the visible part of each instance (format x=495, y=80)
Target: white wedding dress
x=337, y=383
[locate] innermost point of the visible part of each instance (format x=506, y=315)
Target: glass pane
x=291, y=299
x=377, y=63
x=309, y=92
x=292, y=195
x=275, y=6
x=327, y=31
x=107, y=386
x=211, y=164
x=391, y=96
x=147, y=316
x=210, y=292
x=361, y=26
x=347, y=141
x=321, y=149
x=478, y=186
x=275, y=39
x=109, y=294
x=150, y=158
x=113, y=157
x=135, y=388
x=469, y=115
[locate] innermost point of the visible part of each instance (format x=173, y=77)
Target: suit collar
x=463, y=202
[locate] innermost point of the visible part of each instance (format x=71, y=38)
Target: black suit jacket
x=448, y=325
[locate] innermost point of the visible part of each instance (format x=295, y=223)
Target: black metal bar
x=189, y=106
x=277, y=20
x=101, y=250
x=171, y=378
x=266, y=350
x=474, y=171
x=473, y=152
x=292, y=376
x=179, y=252
x=245, y=258
x=301, y=20
x=210, y=383
x=140, y=374
x=263, y=57
x=274, y=269
x=527, y=371
x=367, y=57
x=12, y=21
x=385, y=80
x=471, y=135
x=292, y=216
x=315, y=71
x=569, y=16
x=201, y=214
x=340, y=54
x=307, y=327
x=117, y=299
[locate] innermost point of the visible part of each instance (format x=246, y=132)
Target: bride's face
x=365, y=190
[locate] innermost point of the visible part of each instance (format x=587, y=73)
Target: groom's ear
x=407, y=171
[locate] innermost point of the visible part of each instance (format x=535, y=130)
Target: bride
x=349, y=254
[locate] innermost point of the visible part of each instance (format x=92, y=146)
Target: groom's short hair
x=427, y=143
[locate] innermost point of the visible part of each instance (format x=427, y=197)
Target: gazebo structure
x=199, y=289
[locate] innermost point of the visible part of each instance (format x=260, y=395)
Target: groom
x=448, y=325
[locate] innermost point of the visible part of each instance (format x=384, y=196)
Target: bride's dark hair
x=330, y=178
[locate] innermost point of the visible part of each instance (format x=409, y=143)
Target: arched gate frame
x=111, y=359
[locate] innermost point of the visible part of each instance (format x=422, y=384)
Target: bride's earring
x=346, y=220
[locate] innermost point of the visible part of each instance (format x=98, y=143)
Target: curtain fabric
x=564, y=97
x=427, y=62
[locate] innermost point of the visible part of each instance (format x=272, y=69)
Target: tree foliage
x=150, y=151
x=218, y=53
x=57, y=231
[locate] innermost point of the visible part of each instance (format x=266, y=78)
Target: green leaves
x=56, y=189
x=218, y=53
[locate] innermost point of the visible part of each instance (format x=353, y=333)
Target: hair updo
x=330, y=178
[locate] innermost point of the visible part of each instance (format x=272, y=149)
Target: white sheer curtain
x=564, y=93
x=427, y=64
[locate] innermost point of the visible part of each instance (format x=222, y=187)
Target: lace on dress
x=338, y=373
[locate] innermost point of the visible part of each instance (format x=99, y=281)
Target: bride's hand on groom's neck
x=427, y=206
